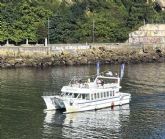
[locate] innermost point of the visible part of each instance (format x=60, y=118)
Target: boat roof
x=107, y=77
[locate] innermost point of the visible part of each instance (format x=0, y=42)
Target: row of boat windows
x=102, y=95
x=93, y=96
x=79, y=96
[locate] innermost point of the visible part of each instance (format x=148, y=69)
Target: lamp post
x=48, y=29
x=93, y=31
x=144, y=21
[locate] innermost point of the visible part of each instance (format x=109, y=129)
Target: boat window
x=83, y=96
x=104, y=94
x=66, y=93
x=107, y=94
x=70, y=94
x=113, y=93
x=87, y=96
x=75, y=95
x=98, y=95
x=79, y=96
x=94, y=95
x=101, y=95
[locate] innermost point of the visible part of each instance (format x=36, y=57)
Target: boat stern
x=125, y=98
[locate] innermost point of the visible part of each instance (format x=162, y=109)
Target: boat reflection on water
x=90, y=124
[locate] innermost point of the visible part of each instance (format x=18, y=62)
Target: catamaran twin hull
x=58, y=102
x=102, y=92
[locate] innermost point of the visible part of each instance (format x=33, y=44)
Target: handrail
x=79, y=79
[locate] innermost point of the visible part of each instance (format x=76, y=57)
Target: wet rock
x=158, y=51
x=18, y=65
x=83, y=60
x=69, y=62
x=90, y=56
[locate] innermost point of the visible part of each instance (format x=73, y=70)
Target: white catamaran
x=83, y=94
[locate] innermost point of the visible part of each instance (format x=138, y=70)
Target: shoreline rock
x=126, y=55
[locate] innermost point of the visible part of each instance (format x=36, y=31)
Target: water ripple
x=22, y=115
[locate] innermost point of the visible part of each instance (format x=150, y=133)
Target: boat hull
x=57, y=102
x=124, y=98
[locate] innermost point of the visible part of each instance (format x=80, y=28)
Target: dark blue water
x=22, y=114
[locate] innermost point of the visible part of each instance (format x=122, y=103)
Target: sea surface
x=22, y=114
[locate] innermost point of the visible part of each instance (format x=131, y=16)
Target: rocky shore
x=82, y=57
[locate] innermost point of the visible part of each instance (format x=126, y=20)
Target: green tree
x=72, y=21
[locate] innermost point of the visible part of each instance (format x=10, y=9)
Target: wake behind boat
x=88, y=94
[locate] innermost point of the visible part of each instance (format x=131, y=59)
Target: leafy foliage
x=74, y=21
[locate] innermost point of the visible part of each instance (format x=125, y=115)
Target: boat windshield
x=75, y=95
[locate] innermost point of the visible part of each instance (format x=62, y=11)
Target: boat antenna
x=98, y=68
x=122, y=67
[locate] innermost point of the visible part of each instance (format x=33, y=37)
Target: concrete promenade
x=79, y=54
x=53, y=48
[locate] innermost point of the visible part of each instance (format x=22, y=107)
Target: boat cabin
x=101, y=87
x=90, y=96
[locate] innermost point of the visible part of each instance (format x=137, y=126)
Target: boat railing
x=81, y=79
x=87, y=79
x=95, y=85
x=82, y=85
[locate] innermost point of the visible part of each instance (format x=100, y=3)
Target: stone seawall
x=11, y=59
